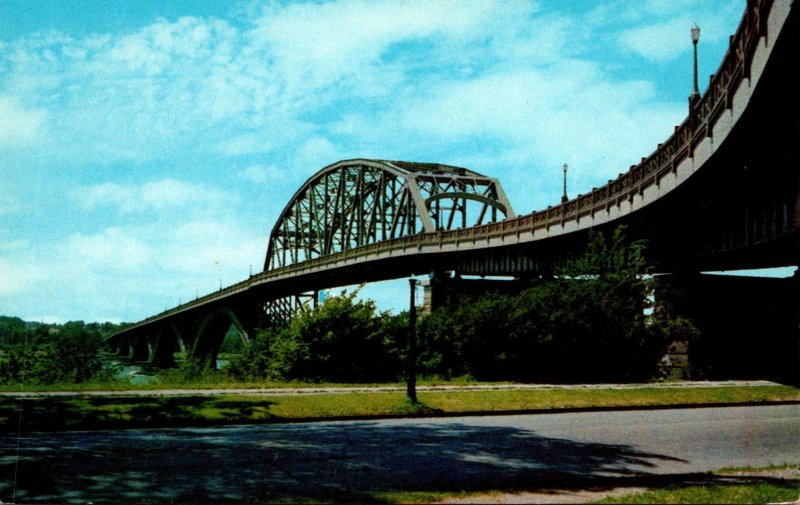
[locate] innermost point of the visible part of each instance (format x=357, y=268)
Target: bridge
x=721, y=193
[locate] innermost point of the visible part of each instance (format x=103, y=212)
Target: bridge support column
x=796, y=324
x=138, y=350
x=441, y=290
x=162, y=346
x=748, y=325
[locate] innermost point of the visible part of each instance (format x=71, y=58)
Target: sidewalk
x=312, y=390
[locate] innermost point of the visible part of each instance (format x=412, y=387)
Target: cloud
x=19, y=126
x=316, y=153
x=316, y=45
x=113, y=248
x=17, y=275
x=215, y=248
x=260, y=174
x=658, y=42
x=157, y=195
x=128, y=271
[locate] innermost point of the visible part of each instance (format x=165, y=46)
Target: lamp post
x=564, y=196
x=695, y=31
x=411, y=359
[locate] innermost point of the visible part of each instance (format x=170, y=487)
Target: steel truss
x=358, y=202
x=279, y=312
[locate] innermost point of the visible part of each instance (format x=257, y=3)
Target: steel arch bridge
x=354, y=203
x=721, y=192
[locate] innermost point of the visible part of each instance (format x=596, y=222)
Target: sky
x=148, y=147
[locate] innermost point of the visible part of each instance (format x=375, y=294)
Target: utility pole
x=411, y=360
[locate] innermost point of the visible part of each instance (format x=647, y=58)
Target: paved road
x=244, y=463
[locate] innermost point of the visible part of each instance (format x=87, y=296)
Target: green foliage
x=190, y=371
x=471, y=339
x=586, y=324
x=53, y=354
x=342, y=340
x=232, y=343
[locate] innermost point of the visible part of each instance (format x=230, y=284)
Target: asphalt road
x=354, y=459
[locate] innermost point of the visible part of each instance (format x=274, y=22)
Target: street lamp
x=564, y=196
x=695, y=38
x=411, y=358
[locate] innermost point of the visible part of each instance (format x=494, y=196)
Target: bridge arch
x=211, y=333
x=358, y=202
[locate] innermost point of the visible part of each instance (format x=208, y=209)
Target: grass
x=742, y=493
x=760, y=492
x=103, y=412
x=556, y=398
x=759, y=485
x=215, y=380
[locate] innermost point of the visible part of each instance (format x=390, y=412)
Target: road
x=245, y=463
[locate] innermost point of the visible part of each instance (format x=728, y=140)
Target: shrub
x=342, y=340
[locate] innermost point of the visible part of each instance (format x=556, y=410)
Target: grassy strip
x=748, y=493
x=750, y=485
x=757, y=492
x=218, y=380
x=91, y=412
x=548, y=399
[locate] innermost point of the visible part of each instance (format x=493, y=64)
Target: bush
x=192, y=370
x=587, y=324
x=342, y=340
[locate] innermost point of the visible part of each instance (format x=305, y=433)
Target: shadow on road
x=327, y=461
x=103, y=413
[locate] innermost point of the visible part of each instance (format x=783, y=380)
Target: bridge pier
x=443, y=290
x=162, y=347
x=138, y=349
x=748, y=325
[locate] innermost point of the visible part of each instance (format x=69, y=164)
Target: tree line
x=38, y=353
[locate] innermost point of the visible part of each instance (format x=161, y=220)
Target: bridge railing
x=703, y=113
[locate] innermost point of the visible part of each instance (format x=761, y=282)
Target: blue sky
x=147, y=147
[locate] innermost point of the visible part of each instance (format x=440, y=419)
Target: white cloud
x=214, y=248
x=157, y=195
x=315, y=45
x=17, y=275
x=316, y=153
x=260, y=174
x=19, y=126
x=126, y=272
x=113, y=248
x=658, y=41
x=241, y=144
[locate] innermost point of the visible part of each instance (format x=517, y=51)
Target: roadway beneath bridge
x=347, y=460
